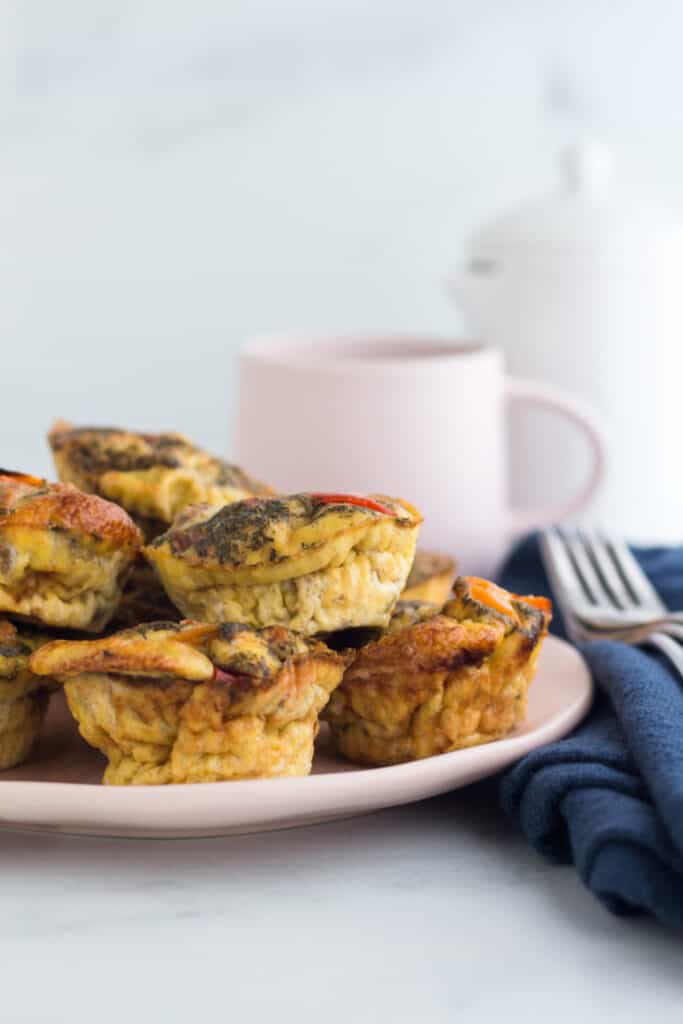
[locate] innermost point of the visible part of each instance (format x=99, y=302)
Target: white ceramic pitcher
x=584, y=290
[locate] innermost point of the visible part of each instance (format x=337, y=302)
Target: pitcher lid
x=588, y=211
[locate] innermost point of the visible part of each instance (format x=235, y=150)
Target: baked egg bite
x=23, y=695
x=430, y=578
x=311, y=562
x=153, y=476
x=186, y=702
x=64, y=555
x=441, y=680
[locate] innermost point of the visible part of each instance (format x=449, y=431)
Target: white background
x=175, y=177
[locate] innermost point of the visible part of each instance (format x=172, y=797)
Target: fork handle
x=519, y=389
x=669, y=648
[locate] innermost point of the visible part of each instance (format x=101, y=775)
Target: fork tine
x=601, y=555
x=568, y=589
x=576, y=630
x=564, y=580
x=579, y=552
x=644, y=594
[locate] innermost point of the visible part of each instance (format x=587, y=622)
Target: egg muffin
x=430, y=579
x=153, y=476
x=186, y=702
x=437, y=681
x=23, y=695
x=64, y=555
x=310, y=562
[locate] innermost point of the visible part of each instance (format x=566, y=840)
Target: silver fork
x=604, y=594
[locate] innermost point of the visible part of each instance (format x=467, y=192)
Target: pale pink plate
x=59, y=791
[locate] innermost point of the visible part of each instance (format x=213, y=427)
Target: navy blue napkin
x=609, y=798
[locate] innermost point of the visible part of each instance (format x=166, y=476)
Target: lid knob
x=587, y=166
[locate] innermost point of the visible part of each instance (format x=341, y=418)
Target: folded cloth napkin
x=609, y=798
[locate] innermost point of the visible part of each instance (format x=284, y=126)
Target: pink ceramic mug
x=418, y=418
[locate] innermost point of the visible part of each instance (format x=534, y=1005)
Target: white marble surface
x=429, y=913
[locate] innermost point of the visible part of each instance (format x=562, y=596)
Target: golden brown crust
x=64, y=555
x=439, y=644
x=62, y=659
x=149, y=650
x=455, y=679
x=263, y=537
x=153, y=476
x=38, y=505
x=191, y=702
x=302, y=561
x=186, y=650
x=179, y=732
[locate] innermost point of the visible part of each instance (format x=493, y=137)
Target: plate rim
x=96, y=802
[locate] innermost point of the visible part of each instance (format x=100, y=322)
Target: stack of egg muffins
x=201, y=625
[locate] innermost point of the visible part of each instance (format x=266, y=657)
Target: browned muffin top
x=271, y=530
x=32, y=503
x=230, y=653
x=95, y=451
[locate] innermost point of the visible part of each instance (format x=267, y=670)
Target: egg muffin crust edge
x=441, y=680
x=189, y=702
x=23, y=696
x=153, y=476
x=64, y=555
x=302, y=561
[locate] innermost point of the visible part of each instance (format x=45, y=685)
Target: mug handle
x=519, y=389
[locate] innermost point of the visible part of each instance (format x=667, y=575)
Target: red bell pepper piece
x=353, y=499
